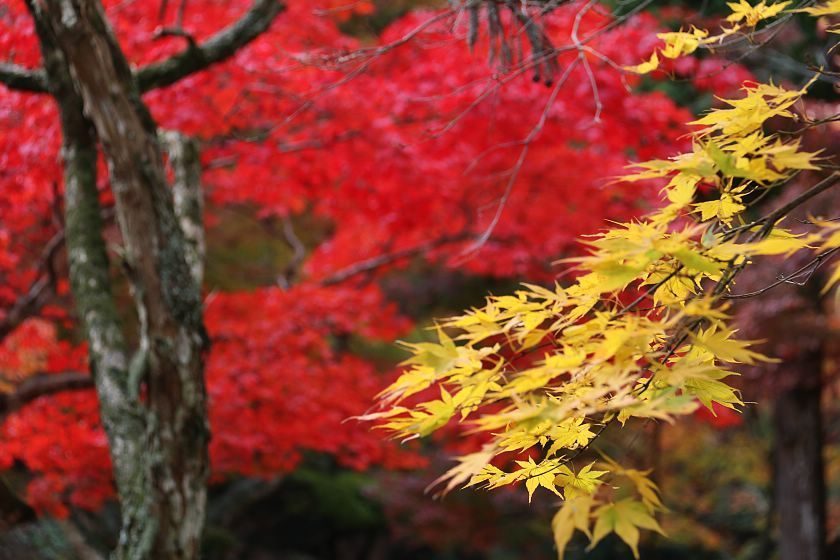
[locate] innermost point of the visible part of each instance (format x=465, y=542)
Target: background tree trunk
x=799, y=472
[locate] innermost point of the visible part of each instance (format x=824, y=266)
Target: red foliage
x=411, y=147
x=722, y=417
x=280, y=387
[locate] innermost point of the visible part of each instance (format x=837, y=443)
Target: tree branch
x=194, y=58
x=26, y=306
x=298, y=254
x=42, y=385
x=185, y=160
x=23, y=79
x=770, y=220
x=808, y=270
x=221, y=46
x=371, y=264
x=33, y=300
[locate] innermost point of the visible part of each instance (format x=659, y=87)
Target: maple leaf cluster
x=644, y=329
x=395, y=145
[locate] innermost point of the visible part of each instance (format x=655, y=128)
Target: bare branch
x=221, y=46
x=371, y=264
x=298, y=254
x=41, y=385
x=770, y=220
x=77, y=540
x=806, y=270
x=39, y=291
x=520, y=162
x=23, y=79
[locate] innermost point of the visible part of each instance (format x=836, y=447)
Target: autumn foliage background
x=357, y=185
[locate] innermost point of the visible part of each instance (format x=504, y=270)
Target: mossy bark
x=158, y=443
x=90, y=282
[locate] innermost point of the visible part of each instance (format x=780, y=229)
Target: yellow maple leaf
x=743, y=12
x=624, y=519
x=833, y=279
x=573, y=515
x=581, y=483
x=679, y=43
x=725, y=208
x=645, y=67
x=825, y=9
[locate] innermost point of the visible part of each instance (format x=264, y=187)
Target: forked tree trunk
x=158, y=443
x=152, y=405
x=799, y=483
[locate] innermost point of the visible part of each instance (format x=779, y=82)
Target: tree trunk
x=185, y=161
x=159, y=441
x=90, y=281
x=799, y=475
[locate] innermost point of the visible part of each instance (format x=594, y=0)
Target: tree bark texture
x=152, y=404
x=185, y=161
x=158, y=442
